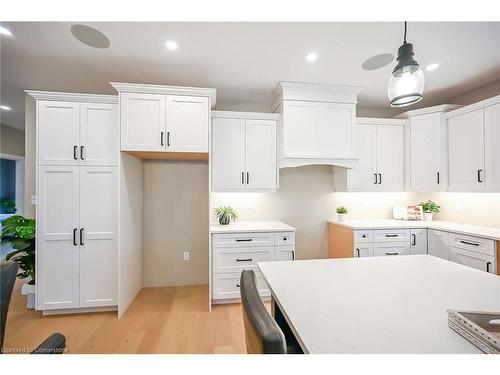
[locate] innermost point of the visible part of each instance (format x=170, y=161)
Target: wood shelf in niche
x=160, y=155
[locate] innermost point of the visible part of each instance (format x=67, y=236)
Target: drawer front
x=395, y=235
x=363, y=236
x=476, y=244
x=383, y=249
x=284, y=253
x=239, y=259
x=227, y=286
x=243, y=239
x=473, y=259
x=362, y=249
x=284, y=238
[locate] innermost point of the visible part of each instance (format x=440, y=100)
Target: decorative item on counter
x=342, y=213
x=429, y=208
x=414, y=213
x=225, y=214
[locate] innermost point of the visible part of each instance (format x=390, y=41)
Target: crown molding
x=246, y=115
x=72, y=96
x=472, y=107
x=423, y=111
x=379, y=121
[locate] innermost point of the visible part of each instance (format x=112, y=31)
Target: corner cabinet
x=164, y=119
x=243, y=152
x=380, y=152
x=474, y=147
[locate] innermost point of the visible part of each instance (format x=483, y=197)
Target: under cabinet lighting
x=5, y=108
x=313, y=56
x=5, y=31
x=171, y=45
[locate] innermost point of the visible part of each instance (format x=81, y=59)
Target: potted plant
x=342, y=213
x=429, y=208
x=20, y=233
x=225, y=215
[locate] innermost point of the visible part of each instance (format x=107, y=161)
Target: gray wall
x=11, y=141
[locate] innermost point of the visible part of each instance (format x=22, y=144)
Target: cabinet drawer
x=477, y=244
x=394, y=235
x=382, y=249
x=239, y=259
x=363, y=236
x=227, y=285
x=473, y=259
x=284, y=238
x=243, y=240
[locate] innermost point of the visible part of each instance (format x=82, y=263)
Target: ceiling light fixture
x=171, y=45
x=313, y=56
x=5, y=31
x=431, y=67
x=4, y=107
x=406, y=84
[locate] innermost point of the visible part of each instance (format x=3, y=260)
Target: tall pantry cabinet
x=77, y=184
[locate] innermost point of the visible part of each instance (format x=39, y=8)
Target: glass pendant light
x=407, y=80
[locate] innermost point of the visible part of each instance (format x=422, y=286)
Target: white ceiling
x=244, y=61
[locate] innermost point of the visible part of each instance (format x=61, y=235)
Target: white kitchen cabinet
x=363, y=250
x=391, y=248
x=143, y=119
x=472, y=259
x=418, y=241
x=58, y=132
x=466, y=151
x=492, y=148
x=438, y=244
x=98, y=236
x=57, y=256
x=390, y=158
x=364, y=176
x=187, y=123
x=243, y=152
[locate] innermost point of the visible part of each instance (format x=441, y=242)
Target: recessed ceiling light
x=171, y=45
x=313, y=56
x=431, y=67
x=5, y=107
x=5, y=31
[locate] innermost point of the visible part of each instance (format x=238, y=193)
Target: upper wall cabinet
x=316, y=125
x=426, y=151
x=171, y=121
x=380, y=151
x=77, y=129
x=474, y=147
x=243, y=152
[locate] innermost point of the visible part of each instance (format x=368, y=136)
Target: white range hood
x=316, y=125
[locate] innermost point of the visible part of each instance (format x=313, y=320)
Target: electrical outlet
x=186, y=255
x=33, y=200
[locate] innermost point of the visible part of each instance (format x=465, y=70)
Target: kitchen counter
x=467, y=229
x=251, y=226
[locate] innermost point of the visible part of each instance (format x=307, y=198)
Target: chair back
x=262, y=334
x=8, y=274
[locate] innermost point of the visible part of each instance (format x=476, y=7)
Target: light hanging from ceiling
x=406, y=84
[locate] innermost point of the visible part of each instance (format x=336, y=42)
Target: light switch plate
x=33, y=200
x=186, y=255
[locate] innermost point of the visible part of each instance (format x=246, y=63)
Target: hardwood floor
x=160, y=320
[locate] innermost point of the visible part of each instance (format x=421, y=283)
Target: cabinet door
x=142, y=121
x=390, y=157
x=99, y=134
x=57, y=248
x=425, y=153
x=187, y=123
x=472, y=259
x=362, y=177
x=317, y=129
x=363, y=250
x=492, y=148
x=466, y=152
x=438, y=244
x=260, y=155
x=284, y=253
x=58, y=132
x=98, y=236
x=418, y=241
x=228, y=154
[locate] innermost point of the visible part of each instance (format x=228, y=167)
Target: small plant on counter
x=225, y=215
x=341, y=213
x=429, y=208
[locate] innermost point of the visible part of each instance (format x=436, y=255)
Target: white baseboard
x=80, y=310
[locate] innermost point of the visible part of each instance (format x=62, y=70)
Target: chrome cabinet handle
x=81, y=152
x=391, y=253
x=479, y=175
x=81, y=236
x=243, y=239
x=244, y=260
x=74, y=237
x=488, y=266
x=74, y=152
x=469, y=243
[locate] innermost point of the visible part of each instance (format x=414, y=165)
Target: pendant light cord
x=404, y=42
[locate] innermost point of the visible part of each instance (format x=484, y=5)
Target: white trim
x=298, y=162
x=72, y=97
x=79, y=310
x=246, y=115
x=19, y=198
x=424, y=111
x=475, y=106
x=380, y=121
x=160, y=89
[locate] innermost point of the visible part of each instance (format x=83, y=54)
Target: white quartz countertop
x=379, y=304
x=251, y=226
x=467, y=229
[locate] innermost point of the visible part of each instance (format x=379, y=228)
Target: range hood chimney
x=316, y=125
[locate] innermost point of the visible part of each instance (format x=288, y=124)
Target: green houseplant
x=19, y=232
x=342, y=213
x=225, y=215
x=429, y=208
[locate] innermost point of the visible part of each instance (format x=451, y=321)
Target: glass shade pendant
x=406, y=84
